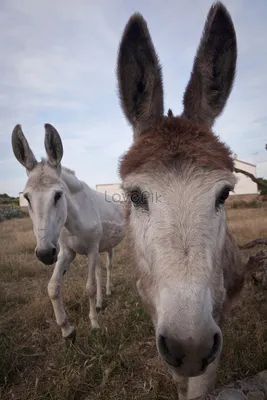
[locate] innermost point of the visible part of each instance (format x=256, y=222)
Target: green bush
x=263, y=190
x=8, y=212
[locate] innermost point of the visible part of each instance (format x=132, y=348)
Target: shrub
x=9, y=212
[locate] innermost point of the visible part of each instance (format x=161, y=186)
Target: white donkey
x=177, y=176
x=68, y=218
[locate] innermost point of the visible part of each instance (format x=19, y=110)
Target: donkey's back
x=104, y=214
x=112, y=221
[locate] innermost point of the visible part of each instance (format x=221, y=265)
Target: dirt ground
x=119, y=361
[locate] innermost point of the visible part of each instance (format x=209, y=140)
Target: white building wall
x=22, y=201
x=244, y=184
x=113, y=189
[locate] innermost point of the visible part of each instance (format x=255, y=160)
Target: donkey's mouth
x=180, y=372
x=49, y=262
x=48, y=256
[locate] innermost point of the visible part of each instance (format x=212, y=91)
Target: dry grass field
x=119, y=361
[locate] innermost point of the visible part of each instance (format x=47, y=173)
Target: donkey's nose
x=47, y=256
x=178, y=353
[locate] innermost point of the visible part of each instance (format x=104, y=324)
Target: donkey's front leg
x=91, y=286
x=110, y=257
x=65, y=257
x=99, y=294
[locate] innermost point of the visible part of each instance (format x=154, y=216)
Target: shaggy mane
x=176, y=139
x=65, y=169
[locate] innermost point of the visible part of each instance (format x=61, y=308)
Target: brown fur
x=176, y=139
x=164, y=144
x=140, y=95
x=234, y=269
x=214, y=68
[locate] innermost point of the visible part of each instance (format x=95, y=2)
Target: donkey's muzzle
x=47, y=256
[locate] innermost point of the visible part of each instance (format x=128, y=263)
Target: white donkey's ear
x=22, y=150
x=53, y=146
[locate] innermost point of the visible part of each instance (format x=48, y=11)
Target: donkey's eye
x=57, y=197
x=139, y=198
x=224, y=194
x=27, y=198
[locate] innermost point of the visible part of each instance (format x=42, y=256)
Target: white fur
x=81, y=222
x=178, y=246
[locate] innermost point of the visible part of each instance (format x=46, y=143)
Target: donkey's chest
x=81, y=245
x=78, y=246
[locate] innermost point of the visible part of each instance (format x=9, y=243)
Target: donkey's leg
x=110, y=257
x=65, y=257
x=91, y=285
x=99, y=294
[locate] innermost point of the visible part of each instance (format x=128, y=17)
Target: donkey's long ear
x=214, y=68
x=139, y=76
x=53, y=146
x=21, y=149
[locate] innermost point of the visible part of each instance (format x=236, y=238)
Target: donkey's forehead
x=42, y=177
x=187, y=179
x=176, y=141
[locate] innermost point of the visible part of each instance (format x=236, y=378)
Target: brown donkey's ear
x=53, y=146
x=170, y=113
x=22, y=150
x=139, y=76
x=214, y=68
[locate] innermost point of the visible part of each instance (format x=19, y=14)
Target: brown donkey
x=177, y=175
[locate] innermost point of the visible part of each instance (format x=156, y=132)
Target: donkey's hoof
x=95, y=325
x=98, y=309
x=108, y=294
x=71, y=338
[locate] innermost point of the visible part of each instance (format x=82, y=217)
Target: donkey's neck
x=75, y=223
x=74, y=220
x=70, y=179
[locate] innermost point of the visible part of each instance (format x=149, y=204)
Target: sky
x=58, y=66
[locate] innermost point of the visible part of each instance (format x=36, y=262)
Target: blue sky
x=58, y=66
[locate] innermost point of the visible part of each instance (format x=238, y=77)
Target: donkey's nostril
x=54, y=252
x=163, y=345
x=214, y=351
x=216, y=343
x=171, y=351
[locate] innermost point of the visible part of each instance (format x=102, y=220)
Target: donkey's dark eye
x=57, y=197
x=224, y=194
x=139, y=198
x=27, y=198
